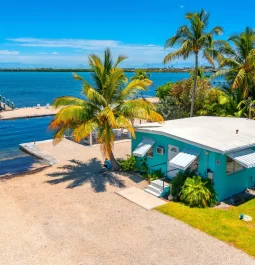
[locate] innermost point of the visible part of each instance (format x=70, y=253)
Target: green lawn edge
x=220, y=223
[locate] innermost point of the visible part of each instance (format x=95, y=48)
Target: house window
x=194, y=166
x=233, y=166
x=150, y=153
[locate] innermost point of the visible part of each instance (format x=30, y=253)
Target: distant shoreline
x=131, y=70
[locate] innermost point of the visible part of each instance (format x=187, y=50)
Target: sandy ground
x=70, y=214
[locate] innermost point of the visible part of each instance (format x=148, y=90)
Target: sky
x=63, y=33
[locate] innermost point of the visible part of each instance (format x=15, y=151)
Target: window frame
x=234, y=166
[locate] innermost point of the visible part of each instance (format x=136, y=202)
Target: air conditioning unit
x=160, y=150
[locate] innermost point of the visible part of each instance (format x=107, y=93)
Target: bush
x=155, y=174
x=169, y=109
x=178, y=182
x=197, y=192
x=129, y=164
x=164, y=91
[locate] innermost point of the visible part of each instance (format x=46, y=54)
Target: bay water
x=27, y=89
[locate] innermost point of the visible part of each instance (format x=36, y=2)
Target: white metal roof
x=245, y=157
x=184, y=159
x=211, y=133
x=143, y=147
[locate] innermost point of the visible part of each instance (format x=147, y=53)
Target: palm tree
x=108, y=105
x=238, y=63
x=193, y=40
x=140, y=74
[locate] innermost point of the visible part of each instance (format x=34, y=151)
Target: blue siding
x=164, y=141
x=225, y=185
x=228, y=185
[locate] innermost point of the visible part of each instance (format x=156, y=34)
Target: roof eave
x=208, y=148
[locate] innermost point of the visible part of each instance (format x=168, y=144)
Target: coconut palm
x=238, y=63
x=109, y=104
x=194, y=39
x=140, y=74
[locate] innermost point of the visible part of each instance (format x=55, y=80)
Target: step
x=155, y=189
x=152, y=193
x=159, y=184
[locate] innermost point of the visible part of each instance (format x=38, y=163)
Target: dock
x=36, y=112
x=34, y=150
x=22, y=113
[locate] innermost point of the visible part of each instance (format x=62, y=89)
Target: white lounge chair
x=38, y=106
x=47, y=106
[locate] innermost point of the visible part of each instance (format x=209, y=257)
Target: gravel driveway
x=71, y=215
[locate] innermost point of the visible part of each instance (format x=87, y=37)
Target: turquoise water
x=15, y=132
x=29, y=89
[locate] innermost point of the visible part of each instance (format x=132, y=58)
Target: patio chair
x=47, y=106
x=38, y=106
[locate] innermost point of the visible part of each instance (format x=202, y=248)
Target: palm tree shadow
x=80, y=173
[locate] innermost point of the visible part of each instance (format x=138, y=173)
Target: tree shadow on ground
x=80, y=173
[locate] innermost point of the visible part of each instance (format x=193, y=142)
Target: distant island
x=155, y=69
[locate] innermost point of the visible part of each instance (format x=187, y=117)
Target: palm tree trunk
x=114, y=162
x=194, y=87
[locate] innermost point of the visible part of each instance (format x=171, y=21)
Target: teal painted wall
x=164, y=141
x=228, y=185
x=225, y=185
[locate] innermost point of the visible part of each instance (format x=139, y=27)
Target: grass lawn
x=222, y=224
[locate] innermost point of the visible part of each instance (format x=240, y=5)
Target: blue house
x=221, y=149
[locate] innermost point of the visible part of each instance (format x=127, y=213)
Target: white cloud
x=77, y=50
x=6, y=52
x=65, y=43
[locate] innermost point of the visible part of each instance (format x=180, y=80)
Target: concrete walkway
x=141, y=198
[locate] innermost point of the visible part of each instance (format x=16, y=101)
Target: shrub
x=143, y=167
x=164, y=91
x=178, y=182
x=155, y=174
x=128, y=164
x=197, y=192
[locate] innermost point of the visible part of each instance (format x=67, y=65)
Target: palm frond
x=67, y=100
x=135, y=86
x=124, y=123
x=96, y=97
x=239, y=80
x=84, y=130
x=119, y=60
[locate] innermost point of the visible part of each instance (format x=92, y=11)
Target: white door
x=172, y=152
